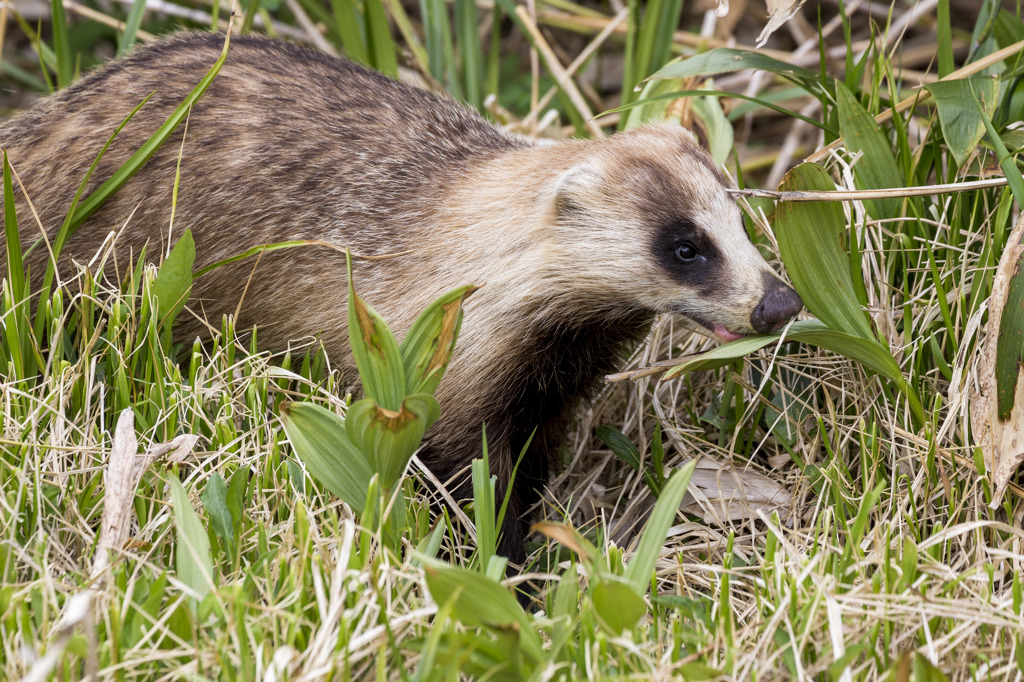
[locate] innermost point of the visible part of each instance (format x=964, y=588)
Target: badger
x=578, y=245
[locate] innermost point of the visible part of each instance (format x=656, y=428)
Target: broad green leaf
x=375, y=351
x=428, y=345
x=174, y=280
x=813, y=332
x=641, y=566
x=962, y=125
x=668, y=97
x=1010, y=346
x=729, y=60
x=617, y=605
x=620, y=445
x=481, y=602
x=867, y=352
x=389, y=438
x=925, y=671
x=215, y=499
x=320, y=441
x=811, y=237
x=193, y=561
x=876, y=169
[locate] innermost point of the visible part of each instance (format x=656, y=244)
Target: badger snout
x=779, y=305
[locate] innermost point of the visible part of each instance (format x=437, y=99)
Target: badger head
x=653, y=228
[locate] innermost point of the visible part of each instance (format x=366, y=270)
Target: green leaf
x=650, y=104
x=193, y=561
x=215, y=499
x=347, y=22
x=1010, y=345
x=12, y=241
x=467, y=28
x=146, y=151
x=68, y=226
x=877, y=167
x=925, y=671
x=131, y=27
x=320, y=441
x=236, y=497
x=811, y=238
x=428, y=345
x=1006, y=162
x=729, y=60
x=620, y=445
x=481, y=602
x=61, y=44
x=375, y=351
x=641, y=566
x=961, y=122
x=868, y=352
x=389, y=438
x=697, y=672
x=708, y=111
x=378, y=37
x=174, y=280
x=617, y=605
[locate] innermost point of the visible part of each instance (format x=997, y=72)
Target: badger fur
x=579, y=245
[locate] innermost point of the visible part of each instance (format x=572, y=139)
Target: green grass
x=880, y=557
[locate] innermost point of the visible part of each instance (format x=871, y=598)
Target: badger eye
x=686, y=252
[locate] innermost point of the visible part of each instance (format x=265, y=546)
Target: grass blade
x=150, y=147
x=641, y=566
x=380, y=45
x=349, y=25
x=193, y=560
x=126, y=39
x=961, y=122
x=61, y=44
x=467, y=28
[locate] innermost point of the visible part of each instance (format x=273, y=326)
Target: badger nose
x=780, y=303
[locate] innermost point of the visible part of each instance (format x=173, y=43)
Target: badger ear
x=574, y=185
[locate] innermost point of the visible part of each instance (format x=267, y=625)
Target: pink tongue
x=724, y=335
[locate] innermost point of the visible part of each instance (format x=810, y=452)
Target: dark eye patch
x=686, y=253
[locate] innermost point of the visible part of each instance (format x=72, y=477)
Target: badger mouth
x=719, y=331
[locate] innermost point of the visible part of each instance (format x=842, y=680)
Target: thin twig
x=859, y=194
x=101, y=18
x=558, y=71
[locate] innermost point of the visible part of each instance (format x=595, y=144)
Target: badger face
x=656, y=191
